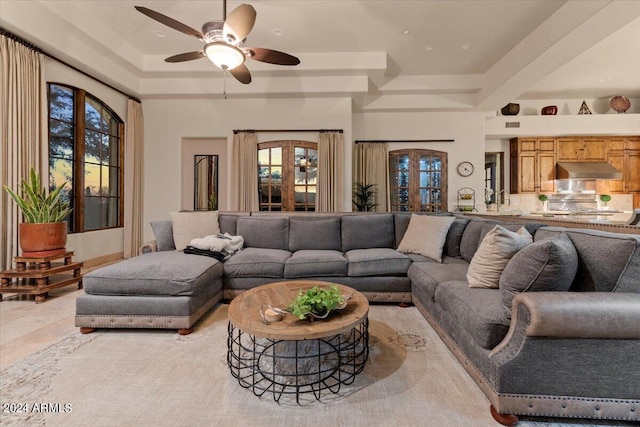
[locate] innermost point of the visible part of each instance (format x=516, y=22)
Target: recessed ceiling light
x=277, y=31
x=405, y=32
x=466, y=46
x=159, y=33
x=428, y=48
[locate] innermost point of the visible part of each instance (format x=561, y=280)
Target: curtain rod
x=383, y=141
x=37, y=49
x=235, y=131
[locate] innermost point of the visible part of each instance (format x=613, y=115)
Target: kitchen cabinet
x=582, y=149
x=533, y=165
x=624, y=155
x=533, y=162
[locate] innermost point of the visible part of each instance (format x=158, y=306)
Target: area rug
x=159, y=378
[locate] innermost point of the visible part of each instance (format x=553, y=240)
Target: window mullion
x=287, y=177
x=79, y=150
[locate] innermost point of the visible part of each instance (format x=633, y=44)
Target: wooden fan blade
x=170, y=22
x=242, y=74
x=239, y=23
x=188, y=56
x=271, y=56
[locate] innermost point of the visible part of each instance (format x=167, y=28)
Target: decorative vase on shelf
x=584, y=109
x=510, y=109
x=549, y=110
x=620, y=104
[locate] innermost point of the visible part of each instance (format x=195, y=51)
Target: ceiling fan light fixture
x=224, y=56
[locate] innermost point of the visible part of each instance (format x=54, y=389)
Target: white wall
x=91, y=244
x=467, y=129
x=169, y=121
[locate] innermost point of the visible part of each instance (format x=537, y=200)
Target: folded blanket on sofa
x=218, y=243
x=219, y=255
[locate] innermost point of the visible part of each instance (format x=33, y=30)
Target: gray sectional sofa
x=565, y=352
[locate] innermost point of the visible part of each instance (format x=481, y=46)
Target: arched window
x=418, y=180
x=86, y=151
x=287, y=175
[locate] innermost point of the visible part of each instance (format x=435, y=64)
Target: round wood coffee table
x=293, y=357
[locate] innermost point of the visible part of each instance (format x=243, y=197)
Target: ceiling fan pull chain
x=224, y=84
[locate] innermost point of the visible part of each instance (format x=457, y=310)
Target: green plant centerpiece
x=317, y=302
x=44, y=231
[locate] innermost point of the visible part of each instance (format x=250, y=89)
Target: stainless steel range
x=573, y=202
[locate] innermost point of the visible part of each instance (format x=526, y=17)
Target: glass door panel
x=417, y=180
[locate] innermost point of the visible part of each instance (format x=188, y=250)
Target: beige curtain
x=330, y=172
x=371, y=166
x=23, y=132
x=245, y=171
x=133, y=179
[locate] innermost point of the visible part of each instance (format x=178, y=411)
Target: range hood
x=586, y=170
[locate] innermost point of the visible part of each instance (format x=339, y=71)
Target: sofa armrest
x=586, y=315
x=581, y=314
x=150, y=246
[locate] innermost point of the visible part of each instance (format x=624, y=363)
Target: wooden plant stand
x=39, y=275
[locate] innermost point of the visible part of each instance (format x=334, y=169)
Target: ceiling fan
x=224, y=41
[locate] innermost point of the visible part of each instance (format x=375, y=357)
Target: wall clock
x=465, y=168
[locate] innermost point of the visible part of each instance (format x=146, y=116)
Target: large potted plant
x=44, y=231
x=363, y=197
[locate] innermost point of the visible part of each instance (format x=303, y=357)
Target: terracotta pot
x=42, y=239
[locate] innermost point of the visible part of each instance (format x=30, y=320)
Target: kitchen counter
x=613, y=222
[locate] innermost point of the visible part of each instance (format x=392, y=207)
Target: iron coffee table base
x=297, y=367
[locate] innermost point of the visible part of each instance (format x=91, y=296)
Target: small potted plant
x=44, y=231
x=605, y=198
x=317, y=302
x=543, y=198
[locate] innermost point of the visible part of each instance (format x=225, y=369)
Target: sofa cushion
x=477, y=228
x=366, y=231
x=426, y=235
x=168, y=273
x=377, y=262
x=316, y=232
x=603, y=257
x=473, y=234
x=546, y=265
x=229, y=222
x=264, y=232
x=401, y=223
x=495, y=251
x=454, y=238
x=163, y=233
x=256, y=262
x=479, y=311
x=189, y=225
x=310, y=263
x=427, y=275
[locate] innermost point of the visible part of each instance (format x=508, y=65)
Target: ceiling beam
x=573, y=29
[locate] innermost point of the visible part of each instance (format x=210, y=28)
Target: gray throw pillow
x=546, y=265
x=163, y=232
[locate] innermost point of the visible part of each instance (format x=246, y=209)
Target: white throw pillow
x=189, y=225
x=493, y=254
x=426, y=235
